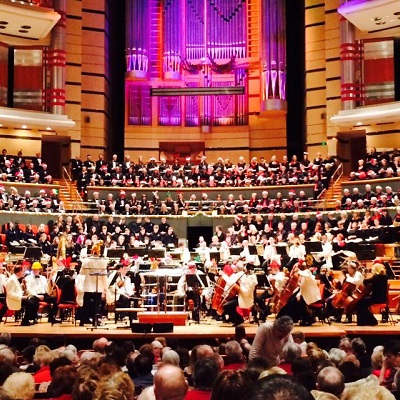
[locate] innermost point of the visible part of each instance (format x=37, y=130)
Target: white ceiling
x=26, y=21
x=372, y=15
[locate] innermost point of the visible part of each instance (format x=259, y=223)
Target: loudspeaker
x=163, y=327
x=139, y=327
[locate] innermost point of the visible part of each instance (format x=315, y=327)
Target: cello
x=288, y=289
x=222, y=294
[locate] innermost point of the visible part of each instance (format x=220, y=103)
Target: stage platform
x=207, y=331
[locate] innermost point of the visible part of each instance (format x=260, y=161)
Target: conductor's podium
x=177, y=318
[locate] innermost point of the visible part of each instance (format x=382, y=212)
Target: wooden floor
x=207, y=331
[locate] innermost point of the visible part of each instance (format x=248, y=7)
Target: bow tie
x=37, y=277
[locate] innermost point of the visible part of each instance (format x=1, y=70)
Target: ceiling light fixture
x=24, y=127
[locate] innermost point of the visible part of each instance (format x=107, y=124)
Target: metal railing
x=73, y=192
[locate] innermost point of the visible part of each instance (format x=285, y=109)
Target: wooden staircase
x=334, y=192
x=69, y=195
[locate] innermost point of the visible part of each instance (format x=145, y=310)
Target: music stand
x=216, y=255
x=96, y=275
x=262, y=281
x=115, y=253
x=235, y=251
x=33, y=253
x=137, y=251
x=193, y=280
x=313, y=247
x=281, y=250
x=157, y=253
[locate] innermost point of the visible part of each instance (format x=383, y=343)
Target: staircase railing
x=77, y=205
x=336, y=177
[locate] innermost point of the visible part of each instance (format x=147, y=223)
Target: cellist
x=307, y=293
x=378, y=295
x=244, y=300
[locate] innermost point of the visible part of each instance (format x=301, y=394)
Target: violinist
x=378, y=294
x=306, y=294
x=245, y=299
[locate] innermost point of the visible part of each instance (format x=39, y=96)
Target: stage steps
x=68, y=194
x=334, y=192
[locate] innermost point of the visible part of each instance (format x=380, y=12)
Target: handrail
x=77, y=205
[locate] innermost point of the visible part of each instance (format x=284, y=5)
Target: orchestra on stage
x=245, y=273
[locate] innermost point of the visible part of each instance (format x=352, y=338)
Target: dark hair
x=350, y=371
x=143, y=364
x=205, y=373
x=278, y=387
x=392, y=347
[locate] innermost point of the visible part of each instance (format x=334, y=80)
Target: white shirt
x=297, y=251
x=309, y=288
x=94, y=269
x=357, y=279
x=36, y=285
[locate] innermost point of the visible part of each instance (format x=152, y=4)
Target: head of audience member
x=100, y=345
x=115, y=387
x=170, y=357
x=351, y=371
x=391, y=352
x=63, y=379
x=20, y=385
x=205, y=372
x=377, y=357
x=43, y=356
x=204, y=351
x=276, y=387
x=255, y=366
x=336, y=355
x=331, y=380
x=169, y=383
x=291, y=351
x=231, y=385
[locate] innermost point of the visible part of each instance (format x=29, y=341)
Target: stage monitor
x=163, y=327
x=33, y=253
x=313, y=246
x=137, y=251
x=138, y=327
x=156, y=253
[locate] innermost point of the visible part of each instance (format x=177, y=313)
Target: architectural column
x=352, y=93
x=56, y=61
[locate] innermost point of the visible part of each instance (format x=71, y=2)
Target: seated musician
x=325, y=256
x=245, y=298
x=3, y=280
x=378, y=285
x=40, y=288
x=17, y=299
x=182, y=291
x=306, y=294
x=120, y=290
x=353, y=277
x=297, y=252
x=276, y=279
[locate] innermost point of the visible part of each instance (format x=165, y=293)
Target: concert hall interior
x=181, y=168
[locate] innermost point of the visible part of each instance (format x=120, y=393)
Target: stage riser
x=178, y=319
